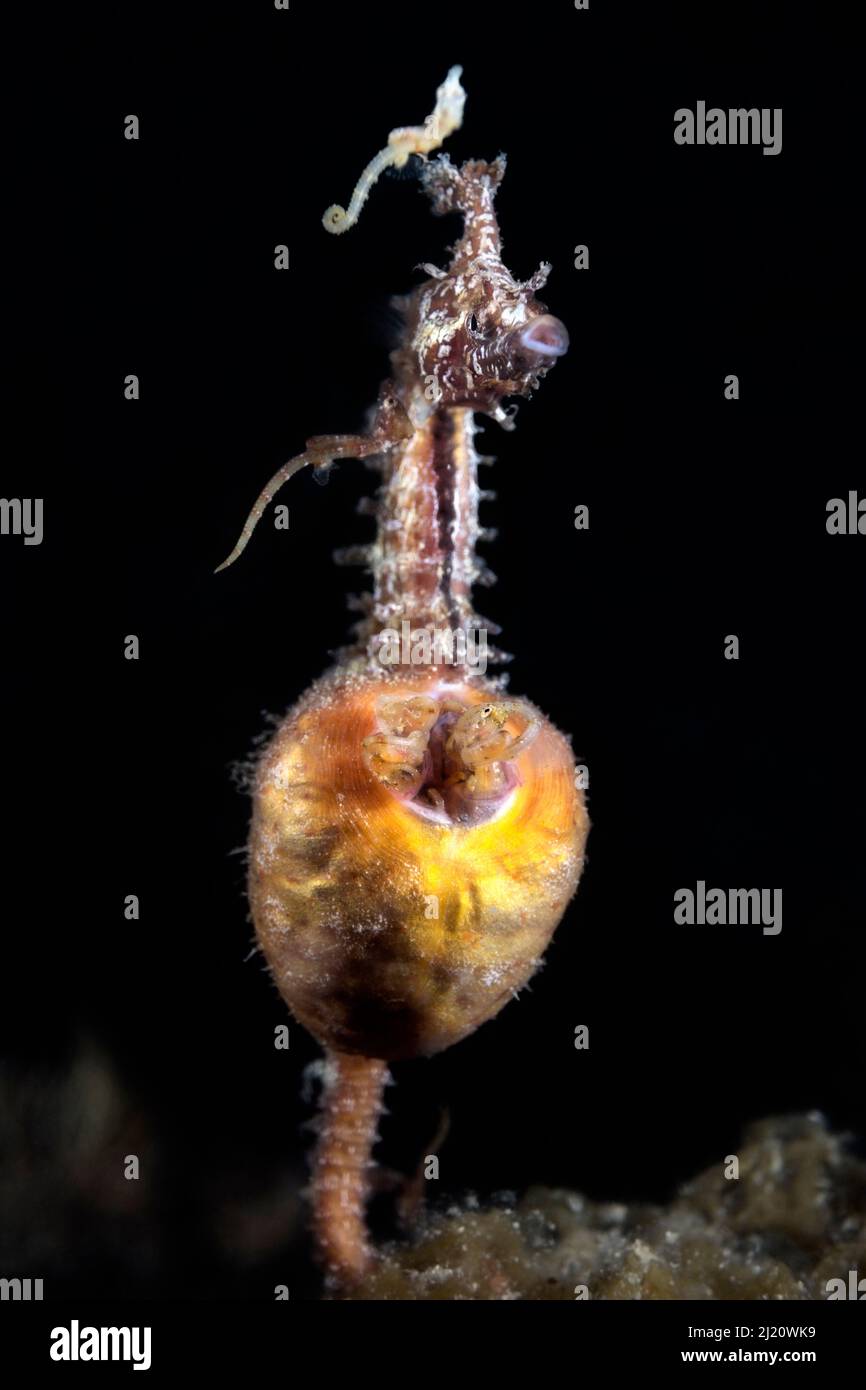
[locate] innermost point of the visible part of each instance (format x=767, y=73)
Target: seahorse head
x=477, y=335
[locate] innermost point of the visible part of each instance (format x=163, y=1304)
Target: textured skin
x=341, y=1171
x=341, y=871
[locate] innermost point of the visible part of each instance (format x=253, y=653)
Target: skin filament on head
x=446, y=117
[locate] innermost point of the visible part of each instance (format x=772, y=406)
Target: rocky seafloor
x=790, y=1222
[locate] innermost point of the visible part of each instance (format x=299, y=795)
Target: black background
x=707, y=517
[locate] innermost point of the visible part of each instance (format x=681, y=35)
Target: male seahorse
x=417, y=833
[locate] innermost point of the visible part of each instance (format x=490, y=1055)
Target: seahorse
x=417, y=832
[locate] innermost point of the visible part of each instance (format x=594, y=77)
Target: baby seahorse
x=417, y=833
